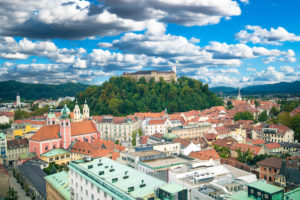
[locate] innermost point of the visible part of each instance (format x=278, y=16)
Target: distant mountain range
x=33, y=91
x=277, y=88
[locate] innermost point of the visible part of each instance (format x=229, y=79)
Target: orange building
x=269, y=168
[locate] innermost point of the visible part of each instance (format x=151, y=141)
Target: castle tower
x=77, y=114
x=65, y=128
x=51, y=118
x=18, y=100
x=86, y=111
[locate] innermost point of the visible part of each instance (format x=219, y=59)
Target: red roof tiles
x=244, y=147
x=49, y=132
x=273, y=145
x=205, y=155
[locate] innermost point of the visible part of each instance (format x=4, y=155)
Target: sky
x=220, y=42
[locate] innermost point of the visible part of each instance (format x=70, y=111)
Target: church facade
x=62, y=134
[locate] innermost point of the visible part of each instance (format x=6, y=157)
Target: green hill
x=32, y=91
x=223, y=89
x=121, y=96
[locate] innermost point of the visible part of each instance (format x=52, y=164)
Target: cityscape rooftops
x=61, y=182
x=165, y=162
x=11, y=144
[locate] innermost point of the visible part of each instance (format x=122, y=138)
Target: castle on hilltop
x=168, y=76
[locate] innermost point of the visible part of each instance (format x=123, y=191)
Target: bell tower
x=86, y=111
x=51, y=118
x=65, y=128
x=77, y=114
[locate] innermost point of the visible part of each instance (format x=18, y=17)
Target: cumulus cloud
x=259, y=35
x=287, y=69
x=78, y=19
x=187, y=13
x=250, y=69
x=242, y=51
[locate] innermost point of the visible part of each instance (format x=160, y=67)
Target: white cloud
x=250, y=69
x=258, y=35
x=287, y=69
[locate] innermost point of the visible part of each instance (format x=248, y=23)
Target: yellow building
x=59, y=156
x=25, y=131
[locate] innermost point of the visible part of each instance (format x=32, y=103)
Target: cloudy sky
x=221, y=42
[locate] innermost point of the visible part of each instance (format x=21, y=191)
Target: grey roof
x=287, y=144
x=292, y=175
x=35, y=175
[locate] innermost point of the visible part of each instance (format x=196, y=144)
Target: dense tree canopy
x=262, y=117
x=121, y=96
x=243, y=116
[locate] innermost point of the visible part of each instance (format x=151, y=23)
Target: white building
x=4, y=120
x=117, y=128
x=103, y=178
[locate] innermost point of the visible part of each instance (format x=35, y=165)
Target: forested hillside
x=121, y=96
x=32, y=91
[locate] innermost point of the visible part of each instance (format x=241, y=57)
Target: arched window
x=67, y=123
x=46, y=148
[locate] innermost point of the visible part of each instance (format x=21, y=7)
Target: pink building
x=62, y=135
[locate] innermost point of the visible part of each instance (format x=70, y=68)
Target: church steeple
x=239, y=97
x=77, y=114
x=65, y=128
x=51, y=118
x=86, y=111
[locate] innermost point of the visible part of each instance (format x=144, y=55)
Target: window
x=67, y=123
x=105, y=195
x=275, y=170
x=46, y=148
x=57, y=158
x=258, y=193
x=86, y=192
x=53, y=146
x=266, y=196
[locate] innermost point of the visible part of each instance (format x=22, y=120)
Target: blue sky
x=221, y=42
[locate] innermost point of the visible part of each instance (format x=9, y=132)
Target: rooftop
x=55, y=152
x=146, y=153
x=164, y=162
x=292, y=195
x=2, y=136
x=171, y=188
x=128, y=182
x=271, y=162
x=263, y=186
x=61, y=182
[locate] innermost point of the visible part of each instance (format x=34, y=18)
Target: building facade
x=168, y=76
x=190, y=131
x=117, y=128
x=62, y=135
x=15, y=148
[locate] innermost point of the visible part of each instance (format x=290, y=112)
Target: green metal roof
x=2, y=136
x=172, y=188
x=241, y=195
x=135, y=178
x=55, y=152
x=263, y=186
x=25, y=156
x=61, y=182
x=293, y=194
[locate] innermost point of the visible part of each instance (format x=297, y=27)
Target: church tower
x=239, y=97
x=51, y=118
x=86, y=111
x=65, y=128
x=18, y=100
x=77, y=114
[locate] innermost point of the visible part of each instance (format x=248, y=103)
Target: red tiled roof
x=144, y=139
x=8, y=114
x=280, y=128
x=226, y=142
x=295, y=111
x=157, y=135
x=271, y=162
x=205, y=155
x=210, y=136
x=32, y=122
x=183, y=142
x=98, y=148
x=11, y=144
x=273, y=145
x=244, y=147
x=156, y=121
x=49, y=132
x=256, y=141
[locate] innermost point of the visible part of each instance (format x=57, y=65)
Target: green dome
x=51, y=114
x=65, y=112
x=169, y=136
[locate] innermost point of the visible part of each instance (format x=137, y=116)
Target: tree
x=133, y=142
x=262, y=117
x=117, y=142
x=140, y=131
x=284, y=118
x=295, y=125
x=243, y=116
x=229, y=105
x=21, y=114
x=274, y=111
x=256, y=103
x=11, y=194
